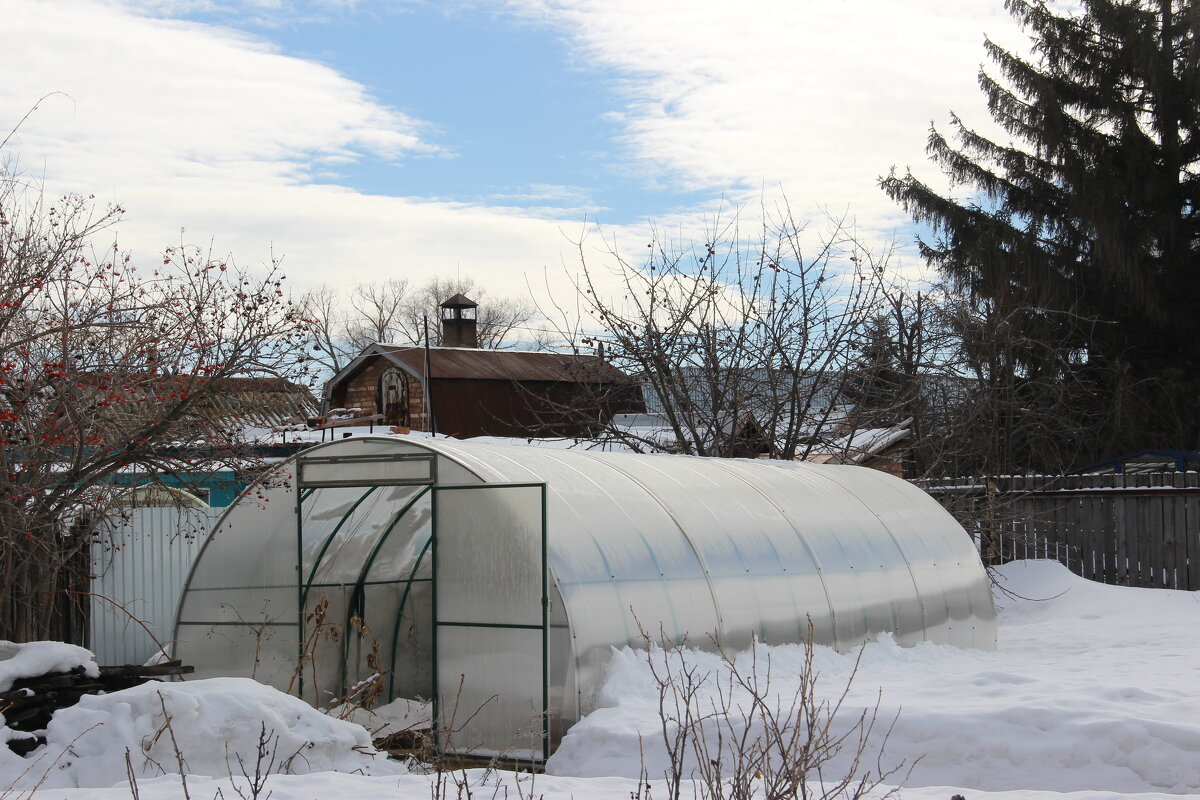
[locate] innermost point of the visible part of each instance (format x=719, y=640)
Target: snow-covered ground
x=1094, y=692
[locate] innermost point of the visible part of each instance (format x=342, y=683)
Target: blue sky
x=516, y=117
x=364, y=139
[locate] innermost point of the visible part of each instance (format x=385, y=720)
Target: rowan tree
x=106, y=369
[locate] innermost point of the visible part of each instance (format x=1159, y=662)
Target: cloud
x=209, y=129
x=818, y=98
x=153, y=91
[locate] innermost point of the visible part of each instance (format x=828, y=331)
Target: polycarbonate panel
x=322, y=676
x=563, y=707
x=240, y=600
x=370, y=641
x=866, y=577
x=489, y=555
x=324, y=510
x=772, y=544
x=404, y=542
x=740, y=551
x=266, y=653
x=496, y=707
x=607, y=529
x=412, y=665
x=249, y=605
x=365, y=470
x=955, y=592
x=490, y=612
x=346, y=553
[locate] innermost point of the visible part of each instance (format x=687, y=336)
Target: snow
x=398, y=716
x=213, y=722
x=1090, y=695
x=1091, y=687
x=34, y=659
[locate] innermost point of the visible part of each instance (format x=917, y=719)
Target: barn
x=494, y=580
x=464, y=391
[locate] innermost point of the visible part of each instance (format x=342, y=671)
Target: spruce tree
x=874, y=384
x=1083, y=225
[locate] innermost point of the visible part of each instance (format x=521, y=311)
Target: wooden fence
x=1134, y=530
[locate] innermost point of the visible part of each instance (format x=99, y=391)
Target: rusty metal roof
x=508, y=365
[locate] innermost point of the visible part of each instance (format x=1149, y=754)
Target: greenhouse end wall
x=314, y=589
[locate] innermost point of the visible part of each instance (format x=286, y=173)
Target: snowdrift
x=216, y=725
x=1093, y=688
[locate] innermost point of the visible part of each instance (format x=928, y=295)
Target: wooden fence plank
x=1110, y=538
x=1170, y=508
x=1093, y=537
x=1063, y=532
x=1121, y=534
x=1152, y=533
x=1179, y=533
x=1190, y=541
x=1148, y=531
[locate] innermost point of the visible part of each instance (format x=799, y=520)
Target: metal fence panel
x=139, y=566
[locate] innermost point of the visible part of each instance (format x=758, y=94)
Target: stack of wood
x=30, y=703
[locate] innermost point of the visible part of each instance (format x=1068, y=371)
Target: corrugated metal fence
x=1134, y=529
x=139, y=568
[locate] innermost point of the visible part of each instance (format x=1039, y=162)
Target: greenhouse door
x=489, y=620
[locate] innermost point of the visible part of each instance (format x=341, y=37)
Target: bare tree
x=326, y=322
x=106, y=369
x=500, y=322
x=379, y=313
x=997, y=413
x=395, y=311
x=743, y=346
x=729, y=733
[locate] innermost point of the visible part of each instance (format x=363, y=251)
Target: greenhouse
x=493, y=581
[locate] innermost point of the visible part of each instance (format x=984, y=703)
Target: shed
x=468, y=392
x=520, y=568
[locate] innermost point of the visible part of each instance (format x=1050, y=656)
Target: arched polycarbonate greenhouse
x=495, y=580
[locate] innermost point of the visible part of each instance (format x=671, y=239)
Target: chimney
x=458, y=322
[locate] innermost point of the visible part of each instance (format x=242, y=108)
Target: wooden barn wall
x=466, y=408
x=1133, y=530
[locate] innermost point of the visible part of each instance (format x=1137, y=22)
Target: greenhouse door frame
x=366, y=471
x=491, y=604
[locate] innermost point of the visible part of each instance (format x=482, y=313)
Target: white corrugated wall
x=142, y=565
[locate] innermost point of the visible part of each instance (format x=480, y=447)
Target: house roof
x=1145, y=461
x=461, y=363
x=460, y=300
x=259, y=401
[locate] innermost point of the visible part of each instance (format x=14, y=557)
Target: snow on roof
x=859, y=445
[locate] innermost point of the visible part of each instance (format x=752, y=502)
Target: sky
x=363, y=140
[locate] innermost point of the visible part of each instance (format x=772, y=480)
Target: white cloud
x=209, y=129
x=150, y=90
x=819, y=97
